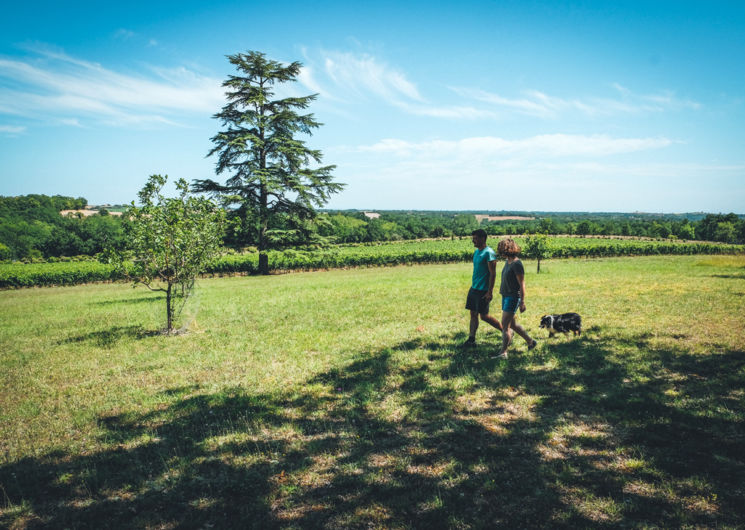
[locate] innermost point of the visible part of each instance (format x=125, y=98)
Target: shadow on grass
x=108, y=338
x=736, y=276
x=422, y=434
x=128, y=301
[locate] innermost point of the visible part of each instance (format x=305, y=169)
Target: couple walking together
x=512, y=289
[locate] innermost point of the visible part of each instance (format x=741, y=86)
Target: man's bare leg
x=492, y=321
x=474, y=326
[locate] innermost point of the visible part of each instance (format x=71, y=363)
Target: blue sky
x=559, y=106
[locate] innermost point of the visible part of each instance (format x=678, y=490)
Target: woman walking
x=512, y=290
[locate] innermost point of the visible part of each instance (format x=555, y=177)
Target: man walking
x=482, y=285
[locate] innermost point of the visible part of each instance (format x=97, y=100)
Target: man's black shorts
x=477, y=302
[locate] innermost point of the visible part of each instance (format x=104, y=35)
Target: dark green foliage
x=713, y=226
x=345, y=229
x=47, y=274
x=31, y=227
x=423, y=224
x=537, y=247
x=168, y=242
x=271, y=172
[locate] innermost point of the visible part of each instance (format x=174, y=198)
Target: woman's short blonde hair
x=508, y=247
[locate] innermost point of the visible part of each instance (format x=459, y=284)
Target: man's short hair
x=479, y=232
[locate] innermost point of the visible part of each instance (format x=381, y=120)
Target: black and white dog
x=562, y=323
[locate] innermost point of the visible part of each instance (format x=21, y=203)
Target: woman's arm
x=521, y=281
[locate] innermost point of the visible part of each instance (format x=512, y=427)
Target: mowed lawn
x=343, y=399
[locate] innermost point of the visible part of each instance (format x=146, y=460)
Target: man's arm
x=492, y=278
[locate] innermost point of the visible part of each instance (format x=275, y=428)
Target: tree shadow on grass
x=421, y=434
x=108, y=338
x=135, y=300
x=737, y=276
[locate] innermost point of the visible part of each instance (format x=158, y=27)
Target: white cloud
x=12, y=129
x=74, y=122
x=541, y=146
x=442, y=172
x=65, y=88
x=541, y=105
x=453, y=112
x=348, y=78
x=668, y=100
x=365, y=74
x=124, y=34
x=353, y=78
x=548, y=172
x=129, y=35
x=307, y=78
x=524, y=105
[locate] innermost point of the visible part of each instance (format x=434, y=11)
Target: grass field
x=343, y=399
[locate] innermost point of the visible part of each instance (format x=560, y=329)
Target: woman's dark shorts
x=477, y=302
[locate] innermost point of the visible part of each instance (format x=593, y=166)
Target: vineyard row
x=410, y=252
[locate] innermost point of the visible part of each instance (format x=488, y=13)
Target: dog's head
x=546, y=321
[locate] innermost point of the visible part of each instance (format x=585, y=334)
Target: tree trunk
x=263, y=225
x=539, y=266
x=263, y=263
x=169, y=309
x=263, y=206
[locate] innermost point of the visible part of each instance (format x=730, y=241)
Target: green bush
x=44, y=274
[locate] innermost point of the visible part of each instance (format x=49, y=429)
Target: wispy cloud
x=364, y=74
x=533, y=107
x=61, y=87
x=12, y=130
x=550, y=172
x=359, y=78
x=124, y=34
x=51, y=85
x=541, y=146
x=307, y=78
x=539, y=104
x=454, y=174
x=452, y=112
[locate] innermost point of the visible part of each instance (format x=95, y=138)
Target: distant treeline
x=31, y=227
x=353, y=227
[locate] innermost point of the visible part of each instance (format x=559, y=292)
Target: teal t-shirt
x=481, y=259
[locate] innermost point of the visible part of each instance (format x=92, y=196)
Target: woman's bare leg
x=521, y=331
x=507, y=319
